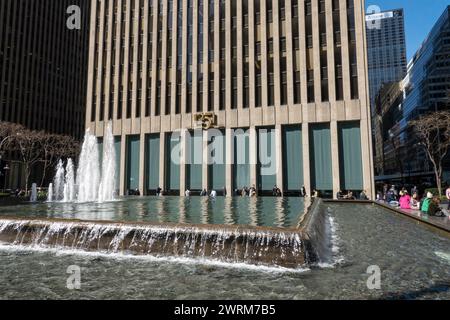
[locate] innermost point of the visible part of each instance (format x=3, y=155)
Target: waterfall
x=58, y=182
x=50, y=193
x=107, y=184
x=234, y=244
x=69, y=186
x=88, y=173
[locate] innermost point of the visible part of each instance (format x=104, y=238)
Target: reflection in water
x=228, y=216
x=198, y=210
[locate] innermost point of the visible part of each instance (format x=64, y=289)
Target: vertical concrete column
x=228, y=59
x=306, y=158
x=229, y=137
x=109, y=62
x=162, y=160
x=142, y=164
x=335, y=156
x=135, y=30
x=100, y=63
x=173, y=95
x=276, y=53
x=123, y=163
x=330, y=56
x=195, y=36
x=251, y=52
x=164, y=68
x=289, y=56
x=366, y=124
x=240, y=56
x=183, y=161
x=316, y=51
x=303, y=67
x=117, y=62
x=216, y=56
x=185, y=66
x=345, y=50
x=205, y=55
x=253, y=149
x=205, y=176
x=264, y=73
x=154, y=57
x=91, y=67
x=279, y=156
x=126, y=71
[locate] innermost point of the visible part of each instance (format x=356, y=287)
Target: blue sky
x=420, y=16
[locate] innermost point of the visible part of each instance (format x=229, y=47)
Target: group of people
x=246, y=192
x=428, y=203
x=350, y=195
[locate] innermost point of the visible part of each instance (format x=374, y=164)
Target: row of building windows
x=238, y=57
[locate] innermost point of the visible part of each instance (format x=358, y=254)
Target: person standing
x=447, y=194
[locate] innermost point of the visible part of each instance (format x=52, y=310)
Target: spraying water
x=69, y=186
x=58, y=182
x=107, y=185
x=87, y=183
x=88, y=173
x=50, y=193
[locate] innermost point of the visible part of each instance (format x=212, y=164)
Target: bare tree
x=433, y=132
x=28, y=144
x=8, y=132
x=55, y=147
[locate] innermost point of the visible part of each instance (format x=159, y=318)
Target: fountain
x=50, y=193
x=69, y=185
x=33, y=197
x=58, y=182
x=87, y=183
x=108, y=180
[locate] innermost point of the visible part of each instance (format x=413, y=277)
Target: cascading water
x=58, y=182
x=69, y=186
x=258, y=246
x=108, y=180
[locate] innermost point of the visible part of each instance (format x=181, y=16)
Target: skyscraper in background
x=43, y=65
x=386, y=49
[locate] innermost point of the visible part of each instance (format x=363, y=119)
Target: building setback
x=292, y=74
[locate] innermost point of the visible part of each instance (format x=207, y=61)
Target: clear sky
x=420, y=16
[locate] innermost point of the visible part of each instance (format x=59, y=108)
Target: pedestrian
x=303, y=192
x=426, y=203
x=447, y=194
x=405, y=201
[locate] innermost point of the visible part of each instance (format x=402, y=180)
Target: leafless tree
x=55, y=147
x=433, y=133
x=8, y=132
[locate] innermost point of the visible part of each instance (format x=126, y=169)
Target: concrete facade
x=269, y=66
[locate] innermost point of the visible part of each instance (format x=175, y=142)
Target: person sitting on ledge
x=435, y=209
x=204, y=193
x=340, y=195
x=187, y=193
x=303, y=192
x=426, y=203
x=315, y=194
x=349, y=196
x=252, y=192
x=405, y=201
x=415, y=203
x=363, y=196
x=213, y=194
x=158, y=192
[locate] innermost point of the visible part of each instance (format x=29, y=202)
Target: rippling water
x=270, y=212
x=414, y=263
